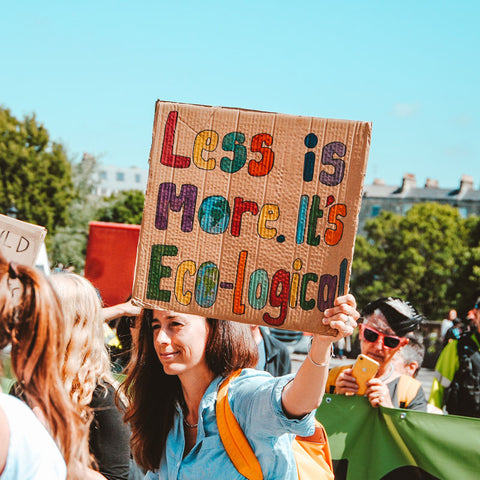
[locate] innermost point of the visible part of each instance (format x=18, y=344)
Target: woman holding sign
x=173, y=380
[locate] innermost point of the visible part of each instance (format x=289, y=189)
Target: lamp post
x=12, y=211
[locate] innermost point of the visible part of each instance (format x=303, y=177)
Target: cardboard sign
x=20, y=241
x=110, y=259
x=250, y=216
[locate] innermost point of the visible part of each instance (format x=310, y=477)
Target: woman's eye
x=155, y=326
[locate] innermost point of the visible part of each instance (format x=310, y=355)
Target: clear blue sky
x=92, y=70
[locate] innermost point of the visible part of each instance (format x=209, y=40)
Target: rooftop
x=431, y=191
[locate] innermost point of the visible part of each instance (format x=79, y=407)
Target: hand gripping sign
x=250, y=216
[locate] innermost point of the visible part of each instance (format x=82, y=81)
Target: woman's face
x=179, y=341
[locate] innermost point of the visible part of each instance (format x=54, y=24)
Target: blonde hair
x=31, y=320
x=86, y=362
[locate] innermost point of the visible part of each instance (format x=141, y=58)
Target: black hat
x=400, y=315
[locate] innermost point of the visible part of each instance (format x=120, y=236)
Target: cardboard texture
x=250, y=216
x=110, y=259
x=20, y=241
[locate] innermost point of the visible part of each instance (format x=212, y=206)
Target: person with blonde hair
x=87, y=374
x=31, y=322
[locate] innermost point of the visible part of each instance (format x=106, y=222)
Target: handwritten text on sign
x=313, y=218
x=20, y=241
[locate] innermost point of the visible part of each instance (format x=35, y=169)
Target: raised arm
x=305, y=392
x=127, y=309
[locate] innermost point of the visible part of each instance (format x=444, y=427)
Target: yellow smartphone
x=364, y=370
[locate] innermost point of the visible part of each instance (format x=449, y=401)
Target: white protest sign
x=20, y=241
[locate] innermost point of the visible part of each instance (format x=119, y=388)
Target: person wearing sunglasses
x=385, y=328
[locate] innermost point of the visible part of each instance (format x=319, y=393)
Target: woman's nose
x=162, y=336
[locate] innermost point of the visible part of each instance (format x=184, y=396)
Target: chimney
x=408, y=182
x=431, y=183
x=378, y=181
x=466, y=184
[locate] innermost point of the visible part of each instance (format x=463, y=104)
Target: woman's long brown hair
x=153, y=395
x=31, y=320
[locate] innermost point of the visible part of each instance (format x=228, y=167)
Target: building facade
x=113, y=179
x=376, y=198
x=379, y=197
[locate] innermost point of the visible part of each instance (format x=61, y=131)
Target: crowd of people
x=146, y=407
x=456, y=385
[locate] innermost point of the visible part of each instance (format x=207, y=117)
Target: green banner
x=384, y=443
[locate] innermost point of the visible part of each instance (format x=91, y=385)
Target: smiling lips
x=168, y=355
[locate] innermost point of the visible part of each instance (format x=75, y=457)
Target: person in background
x=454, y=332
x=469, y=322
x=31, y=321
x=273, y=355
x=340, y=348
x=408, y=361
x=456, y=384
x=447, y=323
x=121, y=318
x=386, y=326
x=87, y=375
x=177, y=365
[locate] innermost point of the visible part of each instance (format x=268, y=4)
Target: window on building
x=138, y=178
x=463, y=212
x=406, y=207
x=120, y=177
x=103, y=175
x=375, y=212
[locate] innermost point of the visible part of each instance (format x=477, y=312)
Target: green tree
x=470, y=276
x=69, y=243
x=35, y=173
x=122, y=207
x=423, y=257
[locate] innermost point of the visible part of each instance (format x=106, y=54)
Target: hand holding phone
x=364, y=370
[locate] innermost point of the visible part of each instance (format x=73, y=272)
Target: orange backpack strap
x=332, y=377
x=407, y=390
x=312, y=455
x=234, y=441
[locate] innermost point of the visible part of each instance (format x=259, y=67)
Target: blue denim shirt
x=255, y=398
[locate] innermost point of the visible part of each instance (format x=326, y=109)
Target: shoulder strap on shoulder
x=332, y=377
x=407, y=390
x=234, y=441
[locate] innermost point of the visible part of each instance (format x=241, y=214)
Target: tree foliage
x=69, y=244
x=471, y=276
x=122, y=207
x=49, y=190
x=430, y=257
x=35, y=173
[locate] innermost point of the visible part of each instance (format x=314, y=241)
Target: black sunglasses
x=389, y=341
